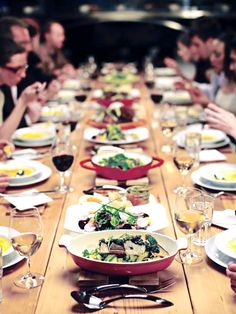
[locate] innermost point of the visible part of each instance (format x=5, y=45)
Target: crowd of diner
x=33, y=67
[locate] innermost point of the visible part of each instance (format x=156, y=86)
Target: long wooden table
x=202, y=288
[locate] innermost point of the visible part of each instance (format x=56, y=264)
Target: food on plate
x=33, y=135
x=114, y=215
x=127, y=249
x=111, y=133
x=138, y=194
x=208, y=137
x=225, y=175
x=4, y=244
x=121, y=161
x=115, y=113
x=18, y=172
x=232, y=245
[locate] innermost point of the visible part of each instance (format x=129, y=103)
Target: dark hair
x=32, y=25
x=232, y=44
x=46, y=29
x=205, y=28
x=7, y=22
x=184, y=38
x=8, y=49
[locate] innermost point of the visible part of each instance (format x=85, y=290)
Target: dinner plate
x=45, y=135
x=45, y=141
x=19, y=166
x=177, y=97
x=225, y=218
x=210, y=172
x=141, y=134
x=196, y=179
x=226, y=242
x=54, y=113
x=13, y=258
x=45, y=173
x=156, y=212
x=222, y=139
x=215, y=255
x=162, y=71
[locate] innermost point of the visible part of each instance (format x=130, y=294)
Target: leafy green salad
x=121, y=161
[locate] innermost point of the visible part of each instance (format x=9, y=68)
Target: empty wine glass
x=62, y=158
x=184, y=161
x=189, y=220
x=26, y=235
x=167, y=124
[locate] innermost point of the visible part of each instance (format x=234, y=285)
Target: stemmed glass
x=62, y=158
x=189, y=220
x=26, y=242
x=168, y=124
x=184, y=161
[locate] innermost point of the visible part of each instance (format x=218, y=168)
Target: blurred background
x=116, y=30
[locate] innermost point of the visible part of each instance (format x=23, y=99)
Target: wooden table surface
x=202, y=288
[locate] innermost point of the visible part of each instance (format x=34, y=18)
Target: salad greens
x=120, y=161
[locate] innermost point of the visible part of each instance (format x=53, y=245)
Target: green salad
x=127, y=249
x=121, y=161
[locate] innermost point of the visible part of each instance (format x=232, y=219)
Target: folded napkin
x=26, y=201
x=225, y=218
x=28, y=153
x=211, y=155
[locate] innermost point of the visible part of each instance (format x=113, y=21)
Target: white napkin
x=211, y=155
x=27, y=201
x=226, y=218
x=28, y=153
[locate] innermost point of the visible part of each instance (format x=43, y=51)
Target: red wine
x=156, y=98
x=150, y=84
x=80, y=98
x=63, y=162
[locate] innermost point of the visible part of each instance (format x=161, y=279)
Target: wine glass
x=62, y=158
x=184, y=161
x=189, y=220
x=167, y=124
x=26, y=242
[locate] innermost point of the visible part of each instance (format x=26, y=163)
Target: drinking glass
x=193, y=144
x=184, y=161
x=27, y=242
x=189, y=220
x=204, y=203
x=181, y=116
x=167, y=124
x=62, y=158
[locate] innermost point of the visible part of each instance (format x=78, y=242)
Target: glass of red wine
x=62, y=158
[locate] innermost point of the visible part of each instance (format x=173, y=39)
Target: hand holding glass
x=27, y=242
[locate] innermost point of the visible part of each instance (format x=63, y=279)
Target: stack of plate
x=217, y=177
x=33, y=137
x=210, y=138
x=24, y=172
x=10, y=256
x=222, y=248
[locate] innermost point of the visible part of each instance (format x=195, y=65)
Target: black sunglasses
x=17, y=69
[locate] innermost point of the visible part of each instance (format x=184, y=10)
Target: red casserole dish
x=90, y=241
x=148, y=163
x=106, y=102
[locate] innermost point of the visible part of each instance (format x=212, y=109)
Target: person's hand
x=34, y=110
x=221, y=119
x=4, y=181
x=53, y=88
x=231, y=273
x=6, y=148
x=171, y=63
x=69, y=70
x=198, y=96
x=31, y=93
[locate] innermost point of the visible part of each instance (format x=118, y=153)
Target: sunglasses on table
x=16, y=69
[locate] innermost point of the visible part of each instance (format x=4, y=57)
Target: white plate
x=14, y=164
x=215, y=255
x=208, y=171
x=177, y=97
x=217, y=136
x=45, y=173
x=162, y=71
x=222, y=242
x=141, y=132
x=196, y=179
x=155, y=210
x=48, y=135
x=225, y=218
x=13, y=257
x=32, y=144
x=206, y=145
x=27, y=153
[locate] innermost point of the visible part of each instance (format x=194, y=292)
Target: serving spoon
x=95, y=303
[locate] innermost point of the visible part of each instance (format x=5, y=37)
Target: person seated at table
x=53, y=61
x=218, y=118
x=183, y=51
x=231, y=273
x=13, y=64
x=4, y=178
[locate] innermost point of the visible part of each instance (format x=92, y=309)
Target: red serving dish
x=90, y=241
x=106, y=102
x=148, y=163
x=123, y=125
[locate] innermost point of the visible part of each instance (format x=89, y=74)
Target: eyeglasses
x=17, y=69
